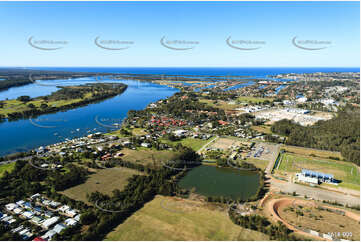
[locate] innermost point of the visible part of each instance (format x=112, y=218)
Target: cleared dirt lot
x=224, y=143
x=311, y=215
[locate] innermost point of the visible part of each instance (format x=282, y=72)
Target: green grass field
x=347, y=172
x=262, y=164
x=104, y=181
x=169, y=218
x=312, y=152
x=145, y=155
x=6, y=167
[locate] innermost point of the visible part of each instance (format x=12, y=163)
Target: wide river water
x=23, y=135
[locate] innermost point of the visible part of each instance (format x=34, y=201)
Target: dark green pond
x=226, y=182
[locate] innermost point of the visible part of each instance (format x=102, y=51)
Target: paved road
x=315, y=193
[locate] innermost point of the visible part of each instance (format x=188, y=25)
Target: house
x=35, y=196
x=17, y=210
x=180, y=132
x=11, y=206
x=20, y=203
x=23, y=231
x=119, y=154
x=48, y=235
x=39, y=239
x=46, y=202
x=49, y=222
x=77, y=218
x=28, y=214
x=70, y=213
x=38, y=210
x=37, y=220
x=54, y=204
x=27, y=205
x=48, y=214
x=146, y=145
x=106, y=157
x=70, y=222
x=63, y=208
x=58, y=228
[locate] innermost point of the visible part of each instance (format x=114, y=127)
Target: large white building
x=302, y=178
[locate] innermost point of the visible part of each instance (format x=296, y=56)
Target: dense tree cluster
x=341, y=133
x=261, y=224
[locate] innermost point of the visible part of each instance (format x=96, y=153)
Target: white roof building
x=70, y=222
x=49, y=222
x=63, y=208
x=28, y=214
x=58, y=228
x=48, y=235
x=71, y=212
x=180, y=132
x=11, y=206
x=302, y=178
x=20, y=203
x=146, y=145
x=18, y=210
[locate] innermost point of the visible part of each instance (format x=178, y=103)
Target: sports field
x=104, y=181
x=169, y=218
x=347, y=172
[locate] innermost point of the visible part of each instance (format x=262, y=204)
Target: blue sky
x=272, y=24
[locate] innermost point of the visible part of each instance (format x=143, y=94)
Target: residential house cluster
x=52, y=217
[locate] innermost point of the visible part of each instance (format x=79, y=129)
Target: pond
x=227, y=182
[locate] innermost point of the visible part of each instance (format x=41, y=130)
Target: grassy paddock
x=262, y=164
x=145, y=155
x=167, y=218
x=104, y=181
x=310, y=152
x=6, y=167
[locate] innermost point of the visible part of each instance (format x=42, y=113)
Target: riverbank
x=66, y=98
